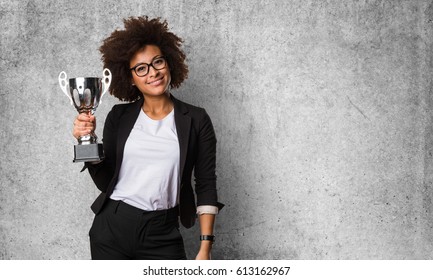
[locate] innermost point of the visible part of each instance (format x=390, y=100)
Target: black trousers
x=123, y=232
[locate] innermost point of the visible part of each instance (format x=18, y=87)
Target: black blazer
x=197, y=144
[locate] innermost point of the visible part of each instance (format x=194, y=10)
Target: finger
x=84, y=117
x=83, y=124
x=84, y=121
x=84, y=132
x=77, y=132
x=80, y=130
x=92, y=118
x=90, y=115
x=86, y=128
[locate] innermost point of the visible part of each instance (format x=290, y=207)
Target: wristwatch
x=207, y=238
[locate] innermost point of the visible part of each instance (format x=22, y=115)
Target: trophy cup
x=85, y=94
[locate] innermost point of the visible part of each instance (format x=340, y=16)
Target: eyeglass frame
x=148, y=65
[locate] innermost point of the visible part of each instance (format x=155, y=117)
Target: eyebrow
x=155, y=57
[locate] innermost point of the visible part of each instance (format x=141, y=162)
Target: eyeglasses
x=143, y=69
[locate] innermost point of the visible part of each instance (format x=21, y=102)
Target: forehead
x=145, y=54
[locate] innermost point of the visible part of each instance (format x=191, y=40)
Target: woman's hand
x=203, y=255
x=84, y=124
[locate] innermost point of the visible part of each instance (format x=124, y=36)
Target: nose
x=152, y=71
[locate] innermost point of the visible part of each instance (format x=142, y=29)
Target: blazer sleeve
x=204, y=169
x=102, y=173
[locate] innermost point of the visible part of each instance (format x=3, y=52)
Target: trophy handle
x=63, y=81
x=106, y=81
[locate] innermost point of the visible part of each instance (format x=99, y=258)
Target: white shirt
x=149, y=174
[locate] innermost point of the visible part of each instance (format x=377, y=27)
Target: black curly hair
x=118, y=49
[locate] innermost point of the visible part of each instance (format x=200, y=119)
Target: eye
x=158, y=61
x=141, y=68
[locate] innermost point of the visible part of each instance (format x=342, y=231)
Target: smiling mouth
x=156, y=82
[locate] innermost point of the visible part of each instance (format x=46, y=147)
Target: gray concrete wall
x=322, y=111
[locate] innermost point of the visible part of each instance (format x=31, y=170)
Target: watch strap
x=207, y=238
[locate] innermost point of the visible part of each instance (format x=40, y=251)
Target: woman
x=151, y=146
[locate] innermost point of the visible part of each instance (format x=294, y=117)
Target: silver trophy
x=85, y=94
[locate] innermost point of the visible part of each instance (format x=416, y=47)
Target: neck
x=157, y=104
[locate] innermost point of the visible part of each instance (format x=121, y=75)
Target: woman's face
x=155, y=82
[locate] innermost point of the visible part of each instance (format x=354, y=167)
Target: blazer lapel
x=127, y=120
x=183, y=126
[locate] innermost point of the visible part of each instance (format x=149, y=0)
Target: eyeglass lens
x=143, y=69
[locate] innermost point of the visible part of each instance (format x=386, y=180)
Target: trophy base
x=88, y=153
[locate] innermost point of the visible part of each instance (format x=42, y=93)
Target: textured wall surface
x=322, y=111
